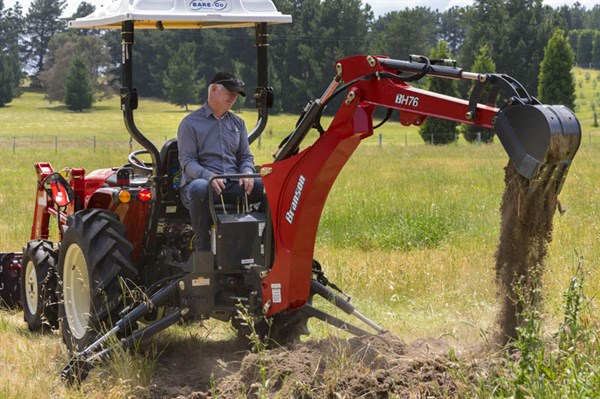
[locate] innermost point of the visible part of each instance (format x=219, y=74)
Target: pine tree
x=42, y=22
x=180, y=83
x=303, y=51
x=515, y=30
x=484, y=63
x=596, y=51
x=11, y=27
x=10, y=65
x=78, y=85
x=573, y=39
x=584, y=48
x=392, y=37
x=61, y=49
x=556, y=82
x=83, y=10
x=434, y=130
x=9, y=77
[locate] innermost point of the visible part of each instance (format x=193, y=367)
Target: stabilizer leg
x=81, y=363
x=334, y=321
x=318, y=288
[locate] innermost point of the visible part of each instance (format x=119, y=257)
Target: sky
x=379, y=7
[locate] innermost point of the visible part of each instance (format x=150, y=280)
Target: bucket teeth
x=550, y=178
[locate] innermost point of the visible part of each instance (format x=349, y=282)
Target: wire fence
x=57, y=143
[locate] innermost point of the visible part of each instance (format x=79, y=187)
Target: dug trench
x=382, y=366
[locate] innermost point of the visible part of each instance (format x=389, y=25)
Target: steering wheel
x=137, y=164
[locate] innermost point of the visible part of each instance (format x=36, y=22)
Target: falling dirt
x=526, y=230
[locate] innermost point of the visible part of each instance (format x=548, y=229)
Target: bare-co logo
x=291, y=213
x=411, y=101
x=218, y=5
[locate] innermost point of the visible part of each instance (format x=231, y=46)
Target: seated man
x=214, y=141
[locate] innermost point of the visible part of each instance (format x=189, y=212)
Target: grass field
x=409, y=230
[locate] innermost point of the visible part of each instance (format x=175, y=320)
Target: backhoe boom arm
x=298, y=183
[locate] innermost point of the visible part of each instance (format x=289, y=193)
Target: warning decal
x=276, y=292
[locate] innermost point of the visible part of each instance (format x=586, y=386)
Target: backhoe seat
x=172, y=207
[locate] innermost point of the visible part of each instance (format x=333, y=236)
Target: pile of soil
x=373, y=366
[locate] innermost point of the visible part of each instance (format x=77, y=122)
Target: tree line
x=508, y=36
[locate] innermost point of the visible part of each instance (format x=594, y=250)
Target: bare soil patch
x=187, y=367
x=373, y=366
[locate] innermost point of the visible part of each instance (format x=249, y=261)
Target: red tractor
x=123, y=264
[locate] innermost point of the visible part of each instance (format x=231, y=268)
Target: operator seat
x=172, y=207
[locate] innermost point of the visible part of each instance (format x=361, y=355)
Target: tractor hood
x=182, y=14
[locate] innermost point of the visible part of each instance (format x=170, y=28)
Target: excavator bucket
x=541, y=141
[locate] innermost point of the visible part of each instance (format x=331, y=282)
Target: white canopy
x=182, y=14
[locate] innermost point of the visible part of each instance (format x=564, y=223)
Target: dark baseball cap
x=230, y=82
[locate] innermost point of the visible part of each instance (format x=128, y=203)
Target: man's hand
x=218, y=185
x=247, y=183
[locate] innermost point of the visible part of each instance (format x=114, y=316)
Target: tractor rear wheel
x=38, y=286
x=96, y=273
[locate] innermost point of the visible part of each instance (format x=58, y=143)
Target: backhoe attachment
x=540, y=140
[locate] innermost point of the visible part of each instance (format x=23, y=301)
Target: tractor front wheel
x=38, y=286
x=96, y=273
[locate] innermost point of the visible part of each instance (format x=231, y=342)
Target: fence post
x=380, y=139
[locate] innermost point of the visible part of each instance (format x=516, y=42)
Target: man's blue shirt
x=209, y=146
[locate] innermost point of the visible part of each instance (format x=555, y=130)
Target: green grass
x=409, y=230
x=563, y=364
x=587, y=83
